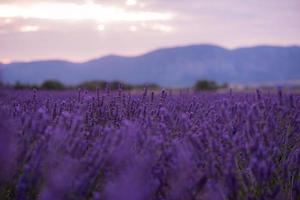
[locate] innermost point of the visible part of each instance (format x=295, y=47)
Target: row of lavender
x=156, y=146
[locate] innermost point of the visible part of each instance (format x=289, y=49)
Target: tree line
x=204, y=85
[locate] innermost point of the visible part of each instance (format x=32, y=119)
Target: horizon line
x=150, y=51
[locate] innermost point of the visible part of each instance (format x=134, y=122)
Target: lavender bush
x=149, y=146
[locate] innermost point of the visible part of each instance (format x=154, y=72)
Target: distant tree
x=93, y=85
x=153, y=86
x=114, y=85
x=206, y=85
x=127, y=86
x=52, y=85
x=20, y=86
x=150, y=86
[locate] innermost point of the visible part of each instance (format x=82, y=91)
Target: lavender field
x=166, y=145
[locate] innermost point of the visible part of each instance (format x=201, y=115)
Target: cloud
x=162, y=27
x=131, y=2
x=29, y=28
x=71, y=11
x=133, y=28
x=81, y=29
x=101, y=27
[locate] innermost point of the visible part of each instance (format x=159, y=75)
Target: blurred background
x=59, y=44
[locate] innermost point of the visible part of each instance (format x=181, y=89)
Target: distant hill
x=180, y=66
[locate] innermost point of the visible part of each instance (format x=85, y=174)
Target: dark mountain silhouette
x=180, y=66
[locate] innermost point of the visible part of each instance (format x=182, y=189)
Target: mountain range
x=175, y=67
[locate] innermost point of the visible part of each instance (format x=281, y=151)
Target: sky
x=79, y=30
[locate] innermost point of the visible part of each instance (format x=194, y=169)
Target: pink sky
x=83, y=29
